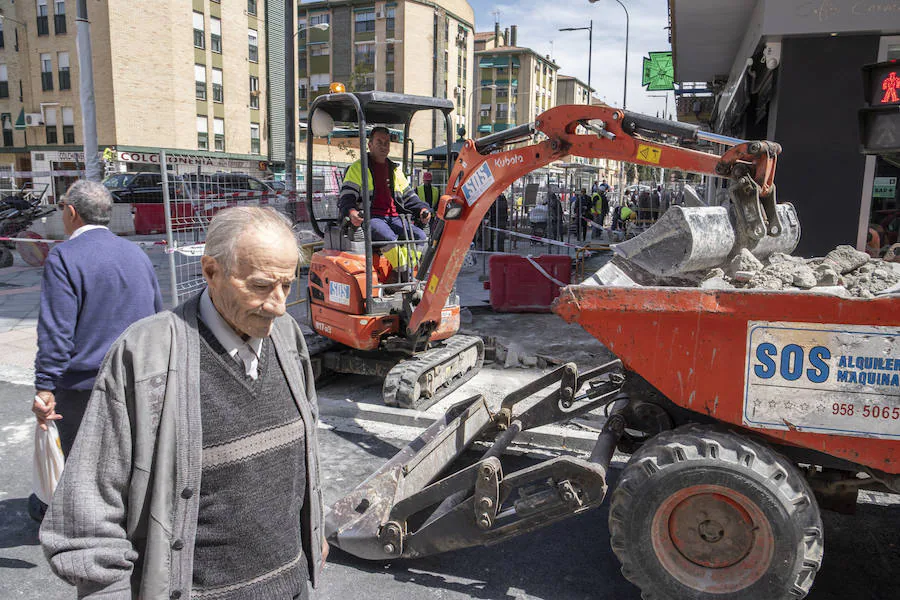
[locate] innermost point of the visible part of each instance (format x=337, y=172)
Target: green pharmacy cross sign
x=658, y=73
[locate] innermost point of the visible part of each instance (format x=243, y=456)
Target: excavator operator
x=390, y=193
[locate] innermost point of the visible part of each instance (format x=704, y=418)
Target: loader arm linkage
x=404, y=510
x=479, y=176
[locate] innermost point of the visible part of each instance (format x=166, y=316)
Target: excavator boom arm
x=480, y=175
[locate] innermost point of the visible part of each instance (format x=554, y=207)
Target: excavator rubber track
x=422, y=380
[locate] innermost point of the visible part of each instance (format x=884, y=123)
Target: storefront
x=181, y=163
x=790, y=71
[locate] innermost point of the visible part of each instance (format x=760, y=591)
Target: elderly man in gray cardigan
x=195, y=473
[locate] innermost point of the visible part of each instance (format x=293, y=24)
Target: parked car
x=143, y=188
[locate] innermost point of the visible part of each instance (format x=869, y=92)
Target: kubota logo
x=507, y=161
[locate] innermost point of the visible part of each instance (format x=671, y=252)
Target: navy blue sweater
x=94, y=287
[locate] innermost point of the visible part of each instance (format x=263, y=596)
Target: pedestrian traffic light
x=879, y=120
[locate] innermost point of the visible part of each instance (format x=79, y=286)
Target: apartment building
x=515, y=84
x=187, y=77
x=408, y=46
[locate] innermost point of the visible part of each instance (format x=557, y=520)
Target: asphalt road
x=571, y=560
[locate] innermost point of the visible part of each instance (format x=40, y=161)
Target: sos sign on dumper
x=837, y=379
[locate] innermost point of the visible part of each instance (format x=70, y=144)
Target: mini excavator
x=406, y=332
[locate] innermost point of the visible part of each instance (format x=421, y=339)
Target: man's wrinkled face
x=379, y=146
x=254, y=293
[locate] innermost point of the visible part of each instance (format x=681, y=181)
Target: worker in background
x=554, y=218
x=429, y=194
x=498, y=218
x=599, y=207
x=582, y=212
x=389, y=193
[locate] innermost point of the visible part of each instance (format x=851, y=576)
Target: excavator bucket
x=422, y=502
x=696, y=238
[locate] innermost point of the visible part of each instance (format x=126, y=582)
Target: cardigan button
x=187, y=493
x=177, y=545
x=175, y=595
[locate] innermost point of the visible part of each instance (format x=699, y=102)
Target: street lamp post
x=624, y=91
x=491, y=86
x=290, y=86
x=590, y=30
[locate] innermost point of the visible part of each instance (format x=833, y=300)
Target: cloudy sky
x=540, y=20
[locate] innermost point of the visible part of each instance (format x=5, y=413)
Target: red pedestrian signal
x=890, y=85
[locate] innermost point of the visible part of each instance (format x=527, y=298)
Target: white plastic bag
x=48, y=460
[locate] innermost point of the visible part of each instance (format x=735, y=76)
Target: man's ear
x=209, y=266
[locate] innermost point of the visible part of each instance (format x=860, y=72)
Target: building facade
x=791, y=71
x=514, y=84
x=406, y=46
x=192, y=84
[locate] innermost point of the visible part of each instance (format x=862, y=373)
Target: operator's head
x=85, y=203
x=427, y=177
x=380, y=144
x=249, y=263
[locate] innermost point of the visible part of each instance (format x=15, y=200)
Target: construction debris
x=844, y=271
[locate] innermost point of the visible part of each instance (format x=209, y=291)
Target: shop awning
x=486, y=63
x=484, y=129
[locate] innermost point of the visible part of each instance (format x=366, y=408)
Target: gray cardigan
x=122, y=522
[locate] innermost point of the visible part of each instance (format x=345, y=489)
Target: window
x=219, y=134
x=65, y=79
x=301, y=30
x=4, y=82
x=215, y=35
x=251, y=7
x=6, y=120
x=318, y=81
x=199, y=33
x=202, y=132
x=68, y=116
x=254, y=45
x=319, y=19
x=389, y=82
x=302, y=89
x=254, y=138
x=389, y=57
x=390, y=22
x=50, y=125
x=502, y=93
x=59, y=16
x=320, y=50
x=200, y=81
x=1, y=35
x=254, y=91
x=365, y=21
x=365, y=55
x=46, y=72
x=218, y=90
x=43, y=25
x=302, y=64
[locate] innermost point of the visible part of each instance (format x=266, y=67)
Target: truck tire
x=702, y=513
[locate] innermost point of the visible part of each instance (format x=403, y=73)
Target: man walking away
x=196, y=472
x=94, y=286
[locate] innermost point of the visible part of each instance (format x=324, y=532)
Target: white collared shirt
x=245, y=352
x=84, y=228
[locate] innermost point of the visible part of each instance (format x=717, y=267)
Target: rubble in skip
x=844, y=271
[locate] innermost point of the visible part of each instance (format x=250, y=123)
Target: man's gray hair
x=91, y=200
x=230, y=224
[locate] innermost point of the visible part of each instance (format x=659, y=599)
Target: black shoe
x=36, y=508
